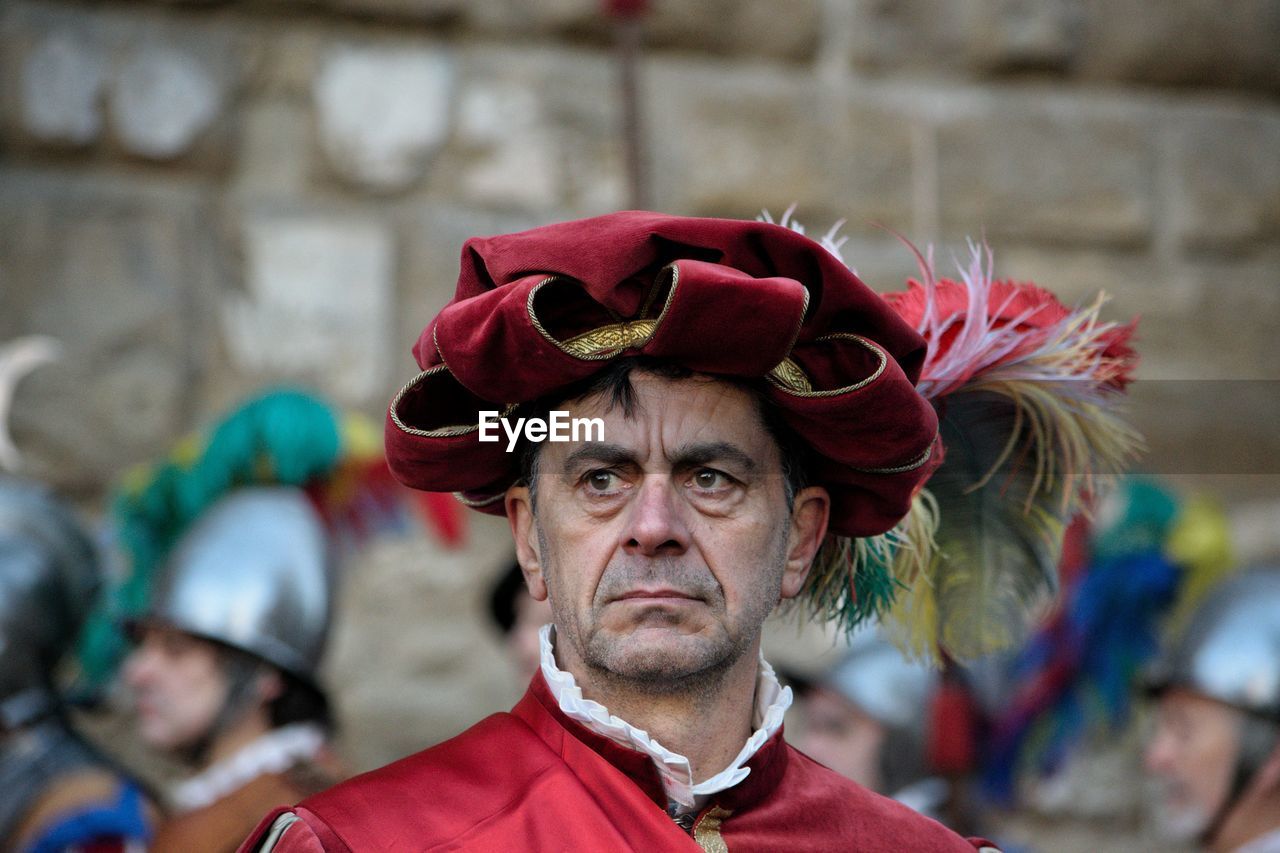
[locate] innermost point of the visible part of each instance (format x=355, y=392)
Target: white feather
x=18, y=358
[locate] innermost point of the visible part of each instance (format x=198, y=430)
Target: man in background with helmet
x=866, y=718
x=232, y=541
x=58, y=793
x=1216, y=744
x=224, y=668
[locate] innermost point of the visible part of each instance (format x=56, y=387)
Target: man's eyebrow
x=691, y=455
x=599, y=452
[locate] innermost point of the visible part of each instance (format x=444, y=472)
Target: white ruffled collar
x=274, y=752
x=1269, y=843
x=772, y=702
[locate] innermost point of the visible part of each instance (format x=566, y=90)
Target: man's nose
x=1158, y=755
x=137, y=666
x=655, y=524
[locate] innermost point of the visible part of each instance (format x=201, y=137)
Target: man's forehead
x=696, y=402
x=1194, y=705
x=651, y=387
x=692, y=409
x=174, y=638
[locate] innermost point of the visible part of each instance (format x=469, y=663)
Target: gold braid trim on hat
x=788, y=375
x=607, y=341
x=542, y=330
x=439, y=432
x=477, y=503
x=902, y=469
x=790, y=378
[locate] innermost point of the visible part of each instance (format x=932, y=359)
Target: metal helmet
x=49, y=575
x=1230, y=650
x=252, y=573
x=876, y=677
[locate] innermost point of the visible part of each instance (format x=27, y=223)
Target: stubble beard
x=694, y=668
x=1176, y=821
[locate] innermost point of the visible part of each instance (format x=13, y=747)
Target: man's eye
x=709, y=479
x=601, y=481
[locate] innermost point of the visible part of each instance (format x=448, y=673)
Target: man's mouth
x=664, y=595
x=1173, y=793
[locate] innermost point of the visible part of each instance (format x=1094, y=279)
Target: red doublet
x=535, y=780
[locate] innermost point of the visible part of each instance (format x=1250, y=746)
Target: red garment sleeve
x=293, y=830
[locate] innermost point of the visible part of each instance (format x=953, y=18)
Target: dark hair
x=300, y=702
x=614, y=382
x=503, y=595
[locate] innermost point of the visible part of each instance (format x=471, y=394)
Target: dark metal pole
x=628, y=39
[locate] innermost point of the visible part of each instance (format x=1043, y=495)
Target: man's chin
x=658, y=655
x=158, y=737
x=1179, y=822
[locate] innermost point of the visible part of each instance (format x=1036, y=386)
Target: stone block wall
x=198, y=198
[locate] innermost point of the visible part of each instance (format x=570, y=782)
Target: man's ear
x=1267, y=778
x=270, y=684
x=809, y=516
x=525, y=533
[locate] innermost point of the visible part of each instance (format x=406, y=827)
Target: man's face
x=179, y=684
x=664, y=546
x=838, y=734
x=523, y=644
x=1192, y=753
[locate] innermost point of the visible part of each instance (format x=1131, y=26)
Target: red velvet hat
x=542, y=309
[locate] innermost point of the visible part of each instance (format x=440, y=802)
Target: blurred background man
x=232, y=543
x=867, y=718
x=519, y=617
x=1216, y=744
x=224, y=673
x=57, y=792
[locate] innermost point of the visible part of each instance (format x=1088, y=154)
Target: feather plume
x=832, y=241
x=998, y=536
x=1199, y=542
x=853, y=580
x=1028, y=393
